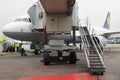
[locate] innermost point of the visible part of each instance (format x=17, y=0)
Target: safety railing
x=85, y=44
x=98, y=49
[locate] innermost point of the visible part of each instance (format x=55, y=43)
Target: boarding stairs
x=93, y=51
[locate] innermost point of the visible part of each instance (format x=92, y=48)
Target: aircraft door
x=37, y=15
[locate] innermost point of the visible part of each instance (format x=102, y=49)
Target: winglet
x=107, y=22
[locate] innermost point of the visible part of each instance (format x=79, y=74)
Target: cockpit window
x=23, y=19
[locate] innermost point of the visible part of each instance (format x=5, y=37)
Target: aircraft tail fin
x=107, y=22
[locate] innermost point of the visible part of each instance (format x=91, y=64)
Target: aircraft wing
x=110, y=33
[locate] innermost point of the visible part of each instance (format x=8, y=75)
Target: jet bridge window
x=23, y=19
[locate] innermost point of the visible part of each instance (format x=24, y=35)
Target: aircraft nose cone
x=6, y=29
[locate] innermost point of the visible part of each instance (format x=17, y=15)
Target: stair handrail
x=98, y=52
x=101, y=52
x=95, y=49
x=99, y=47
x=87, y=43
x=84, y=44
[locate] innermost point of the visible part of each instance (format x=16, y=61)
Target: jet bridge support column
x=46, y=38
x=74, y=34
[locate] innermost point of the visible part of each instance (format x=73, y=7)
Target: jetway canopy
x=58, y=6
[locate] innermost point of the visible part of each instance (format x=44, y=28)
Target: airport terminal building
x=114, y=39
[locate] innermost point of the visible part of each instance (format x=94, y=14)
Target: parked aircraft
x=105, y=28
x=2, y=39
x=6, y=44
x=22, y=29
x=112, y=36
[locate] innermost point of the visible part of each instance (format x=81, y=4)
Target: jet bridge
x=58, y=21
x=59, y=15
x=53, y=18
x=58, y=6
x=93, y=51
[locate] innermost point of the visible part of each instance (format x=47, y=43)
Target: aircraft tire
x=21, y=54
x=25, y=54
x=46, y=59
x=36, y=52
x=73, y=58
x=102, y=73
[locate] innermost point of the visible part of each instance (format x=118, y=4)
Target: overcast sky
x=95, y=10
x=11, y=9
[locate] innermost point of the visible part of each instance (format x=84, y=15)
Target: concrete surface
x=14, y=66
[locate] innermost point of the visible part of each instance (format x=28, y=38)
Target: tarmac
x=14, y=66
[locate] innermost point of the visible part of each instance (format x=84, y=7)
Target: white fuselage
x=22, y=30
x=100, y=30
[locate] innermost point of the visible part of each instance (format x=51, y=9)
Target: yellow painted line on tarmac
x=3, y=54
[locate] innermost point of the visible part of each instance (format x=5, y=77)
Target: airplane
x=111, y=36
x=10, y=45
x=20, y=29
x=101, y=31
x=6, y=44
x=105, y=28
x=2, y=39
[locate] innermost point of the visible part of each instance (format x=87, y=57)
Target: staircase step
x=93, y=52
x=93, y=55
x=94, y=58
x=96, y=64
x=97, y=70
x=95, y=61
x=97, y=67
x=91, y=49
